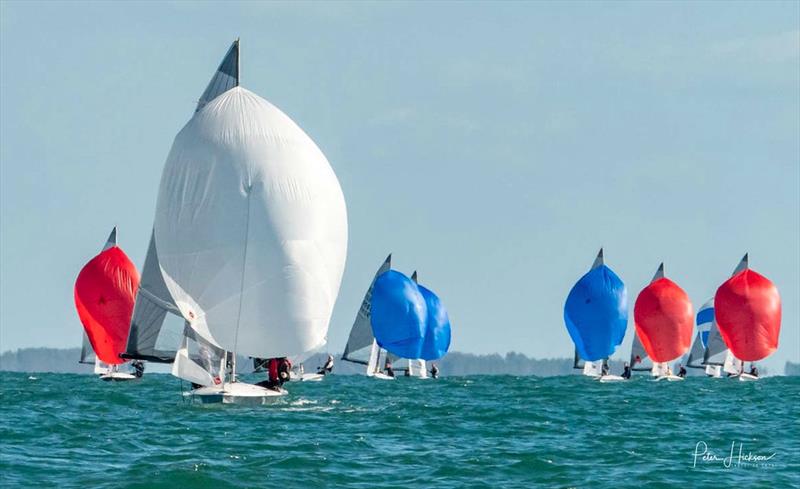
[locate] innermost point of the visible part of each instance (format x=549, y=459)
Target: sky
x=494, y=147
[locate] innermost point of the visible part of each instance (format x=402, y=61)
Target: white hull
x=747, y=378
x=669, y=378
x=381, y=376
x=117, y=377
x=611, y=378
x=311, y=377
x=236, y=393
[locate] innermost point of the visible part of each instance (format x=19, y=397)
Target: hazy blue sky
x=493, y=147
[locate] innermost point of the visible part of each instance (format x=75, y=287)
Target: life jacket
x=272, y=368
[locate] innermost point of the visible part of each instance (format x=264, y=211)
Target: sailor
x=284, y=370
x=273, y=381
x=604, y=369
x=328, y=367
x=434, y=371
x=681, y=371
x=753, y=370
x=138, y=368
x=626, y=371
x=388, y=368
x=407, y=372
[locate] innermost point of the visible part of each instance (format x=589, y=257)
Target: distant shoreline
x=65, y=360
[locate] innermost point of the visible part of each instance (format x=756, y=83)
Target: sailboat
x=699, y=355
x=398, y=316
x=664, y=322
x=748, y=315
x=104, y=295
x=361, y=347
x=596, y=317
x=250, y=234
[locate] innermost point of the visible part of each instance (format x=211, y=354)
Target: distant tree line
x=65, y=360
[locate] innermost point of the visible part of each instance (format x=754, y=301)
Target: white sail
x=373, y=364
x=100, y=367
x=251, y=229
x=593, y=369
x=731, y=365
x=660, y=369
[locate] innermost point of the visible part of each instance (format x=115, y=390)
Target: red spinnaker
x=664, y=320
x=747, y=309
x=104, y=294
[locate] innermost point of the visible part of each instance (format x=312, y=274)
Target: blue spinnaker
x=705, y=318
x=437, y=328
x=398, y=315
x=596, y=313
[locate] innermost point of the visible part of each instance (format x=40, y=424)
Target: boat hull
x=381, y=376
x=117, y=377
x=611, y=378
x=747, y=378
x=237, y=393
x=669, y=378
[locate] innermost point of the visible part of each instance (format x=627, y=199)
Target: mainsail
x=251, y=228
x=663, y=319
x=104, y=296
x=359, y=343
x=696, y=353
x=705, y=322
x=149, y=338
x=639, y=361
x=225, y=78
x=157, y=325
x=716, y=349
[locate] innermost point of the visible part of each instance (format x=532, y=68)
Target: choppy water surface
x=349, y=431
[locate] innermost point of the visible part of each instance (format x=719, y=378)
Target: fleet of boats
x=247, y=253
x=741, y=323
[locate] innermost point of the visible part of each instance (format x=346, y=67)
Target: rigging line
x=241, y=285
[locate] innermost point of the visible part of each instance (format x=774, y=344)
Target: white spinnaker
x=251, y=228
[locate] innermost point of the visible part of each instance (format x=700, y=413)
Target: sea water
x=64, y=430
